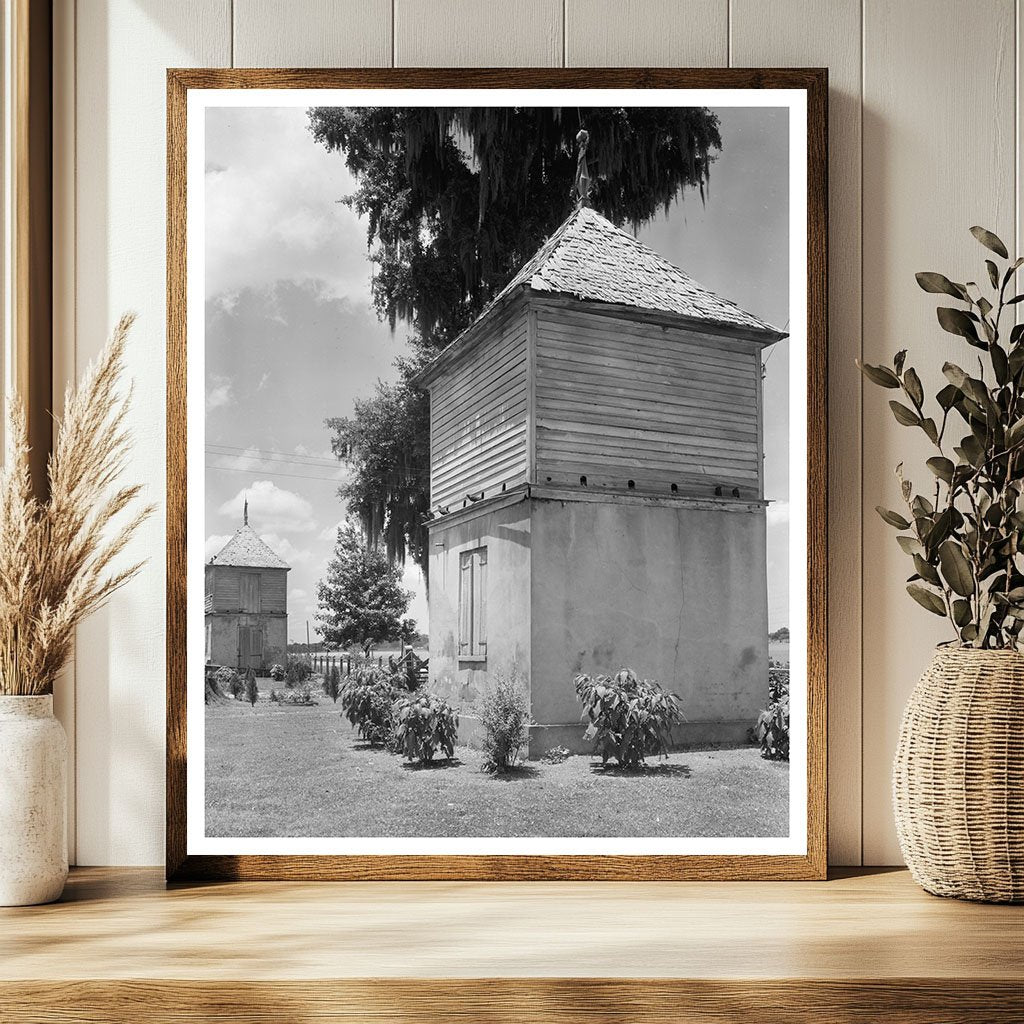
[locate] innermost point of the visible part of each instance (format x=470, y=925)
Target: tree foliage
x=456, y=201
x=964, y=531
x=387, y=447
x=362, y=602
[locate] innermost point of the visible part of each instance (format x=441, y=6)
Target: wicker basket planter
x=958, y=776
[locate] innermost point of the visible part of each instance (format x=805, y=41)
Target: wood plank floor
x=861, y=947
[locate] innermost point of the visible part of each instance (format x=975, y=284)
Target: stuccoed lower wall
x=677, y=594
x=225, y=637
x=506, y=533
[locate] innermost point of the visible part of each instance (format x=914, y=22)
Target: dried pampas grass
x=56, y=556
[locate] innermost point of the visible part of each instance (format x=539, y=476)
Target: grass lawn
x=294, y=771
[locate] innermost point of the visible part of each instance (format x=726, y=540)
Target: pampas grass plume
x=56, y=556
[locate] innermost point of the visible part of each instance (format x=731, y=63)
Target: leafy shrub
x=556, y=755
x=332, y=683
x=251, y=690
x=277, y=673
x=424, y=723
x=227, y=680
x=296, y=670
x=772, y=727
x=274, y=697
x=630, y=718
x=214, y=694
x=366, y=701
x=300, y=696
x=506, y=719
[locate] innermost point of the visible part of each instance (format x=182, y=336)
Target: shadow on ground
x=520, y=773
x=426, y=766
x=646, y=771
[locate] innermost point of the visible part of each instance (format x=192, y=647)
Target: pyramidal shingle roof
x=247, y=550
x=589, y=258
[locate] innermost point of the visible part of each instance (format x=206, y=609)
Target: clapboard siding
x=478, y=415
x=623, y=402
x=225, y=588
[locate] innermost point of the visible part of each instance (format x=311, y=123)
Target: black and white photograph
x=503, y=475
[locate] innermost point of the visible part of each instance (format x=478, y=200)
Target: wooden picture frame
x=180, y=863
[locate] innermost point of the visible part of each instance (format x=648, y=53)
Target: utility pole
x=309, y=650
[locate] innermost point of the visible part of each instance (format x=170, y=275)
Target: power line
x=271, y=454
x=275, y=472
x=273, y=458
x=269, y=451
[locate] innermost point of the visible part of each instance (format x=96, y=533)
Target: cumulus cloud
x=271, y=509
x=331, y=532
x=214, y=543
x=218, y=392
x=294, y=556
x=273, y=207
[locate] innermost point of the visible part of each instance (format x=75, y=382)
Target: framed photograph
x=496, y=474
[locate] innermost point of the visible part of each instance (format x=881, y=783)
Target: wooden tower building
x=246, y=602
x=597, y=489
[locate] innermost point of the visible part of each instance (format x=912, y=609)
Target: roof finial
x=582, y=177
x=245, y=512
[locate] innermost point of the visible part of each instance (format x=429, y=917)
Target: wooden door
x=250, y=647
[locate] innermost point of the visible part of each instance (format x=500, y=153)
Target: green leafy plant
x=367, y=700
x=630, y=718
x=772, y=729
x=424, y=724
x=965, y=530
x=505, y=716
x=277, y=673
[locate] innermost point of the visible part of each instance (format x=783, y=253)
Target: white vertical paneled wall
x=939, y=155
x=925, y=141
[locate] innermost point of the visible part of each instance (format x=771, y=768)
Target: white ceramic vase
x=33, y=802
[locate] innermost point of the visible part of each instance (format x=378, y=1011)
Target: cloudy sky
x=292, y=338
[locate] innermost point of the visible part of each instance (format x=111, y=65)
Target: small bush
x=556, y=755
x=630, y=718
x=300, y=696
x=274, y=696
x=772, y=727
x=424, y=723
x=251, y=690
x=227, y=680
x=213, y=690
x=366, y=701
x=332, y=683
x=506, y=720
x=296, y=671
x=277, y=673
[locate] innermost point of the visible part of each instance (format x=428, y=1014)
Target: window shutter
x=250, y=591
x=465, y=603
x=480, y=605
